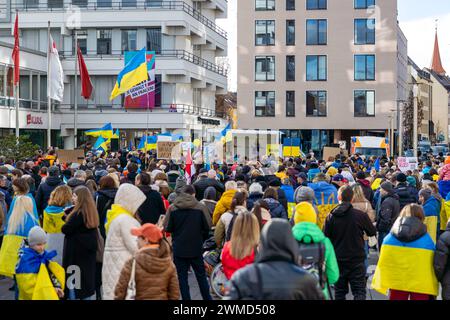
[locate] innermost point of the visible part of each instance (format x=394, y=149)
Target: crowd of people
x=126, y=227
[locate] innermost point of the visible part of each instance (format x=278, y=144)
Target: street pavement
x=6, y=283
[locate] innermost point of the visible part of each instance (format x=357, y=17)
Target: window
x=265, y=104
x=80, y=3
x=316, y=32
x=104, y=41
x=316, y=4
x=316, y=103
x=316, y=68
x=154, y=39
x=129, y=40
x=265, y=33
x=364, y=4
x=364, y=67
x=104, y=3
x=82, y=41
x=364, y=31
x=364, y=103
x=290, y=32
x=290, y=4
x=290, y=68
x=31, y=3
x=263, y=5
x=265, y=68
x=129, y=3
x=55, y=4
x=290, y=103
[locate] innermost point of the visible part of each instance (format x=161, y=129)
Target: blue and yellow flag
x=116, y=134
x=150, y=145
x=406, y=266
x=101, y=144
x=53, y=219
x=134, y=73
x=105, y=132
x=326, y=199
x=226, y=135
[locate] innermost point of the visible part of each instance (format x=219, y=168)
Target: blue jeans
x=182, y=265
x=73, y=297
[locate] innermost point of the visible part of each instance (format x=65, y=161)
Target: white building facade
x=183, y=34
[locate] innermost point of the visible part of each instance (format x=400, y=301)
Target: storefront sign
x=208, y=121
x=36, y=120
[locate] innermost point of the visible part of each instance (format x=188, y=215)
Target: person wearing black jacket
x=104, y=199
x=389, y=211
x=153, y=207
x=46, y=188
x=276, y=184
x=345, y=227
x=205, y=181
x=275, y=274
x=365, y=185
x=405, y=193
x=189, y=223
x=441, y=262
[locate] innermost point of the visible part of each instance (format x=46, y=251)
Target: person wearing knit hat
x=304, y=194
x=155, y=274
x=37, y=238
x=210, y=199
x=412, y=182
x=305, y=212
x=332, y=171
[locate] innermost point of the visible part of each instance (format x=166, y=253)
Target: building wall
x=440, y=108
x=339, y=49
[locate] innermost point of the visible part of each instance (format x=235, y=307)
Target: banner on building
x=143, y=95
x=407, y=163
x=168, y=150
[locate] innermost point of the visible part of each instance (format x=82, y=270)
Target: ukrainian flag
x=116, y=134
x=151, y=143
x=326, y=200
x=53, y=219
x=134, y=73
x=32, y=276
x=101, y=144
x=226, y=135
x=406, y=266
x=105, y=132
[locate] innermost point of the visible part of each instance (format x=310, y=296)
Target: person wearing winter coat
x=224, y=204
x=255, y=194
x=405, y=268
x=120, y=245
x=189, y=223
x=365, y=185
x=325, y=198
x=104, y=199
x=389, y=211
x=445, y=171
x=209, y=201
x=153, y=207
x=276, y=184
x=275, y=274
x=155, y=274
x=405, y=193
x=59, y=200
x=313, y=171
x=46, y=188
x=205, y=180
x=345, y=227
x=441, y=262
x=173, y=175
x=80, y=243
x=222, y=230
x=275, y=207
x=431, y=208
x=306, y=231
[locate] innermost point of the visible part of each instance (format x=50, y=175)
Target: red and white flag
x=190, y=167
x=86, y=84
x=56, y=80
x=15, y=53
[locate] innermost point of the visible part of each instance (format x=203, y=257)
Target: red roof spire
x=436, y=64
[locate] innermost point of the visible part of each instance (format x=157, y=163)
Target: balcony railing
x=177, y=54
x=163, y=109
x=59, y=5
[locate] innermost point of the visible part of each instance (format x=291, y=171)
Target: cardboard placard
x=73, y=156
x=332, y=152
x=407, y=163
x=168, y=150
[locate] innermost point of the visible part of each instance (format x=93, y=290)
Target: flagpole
x=75, y=125
x=49, y=101
x=16, y=87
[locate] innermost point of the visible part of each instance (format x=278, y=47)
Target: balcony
x=177, y=54
x=110, y=5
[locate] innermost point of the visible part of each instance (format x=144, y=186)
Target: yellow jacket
x=223, y=205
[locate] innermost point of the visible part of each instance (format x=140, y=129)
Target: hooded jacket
x=441, y=262
x=155, y=275
x=406, y=194
x=44, y=191
x=276, y=209
x=223, y=205
x=346, y=226
x=275, y=274
x=406, y=259
x=153, y=206
x=252, y=199
x=189, y=223
x=388, y=213
x=309, y=233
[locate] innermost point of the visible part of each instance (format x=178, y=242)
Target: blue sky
x=417, y=20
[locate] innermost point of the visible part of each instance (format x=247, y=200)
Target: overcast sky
x=417, y=20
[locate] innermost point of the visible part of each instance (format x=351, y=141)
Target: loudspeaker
x=114, y=145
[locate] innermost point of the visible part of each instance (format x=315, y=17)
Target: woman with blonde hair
x=21, y=218
x=80, y=243
x=240, y=250
x=60, y=199
x=405, y=268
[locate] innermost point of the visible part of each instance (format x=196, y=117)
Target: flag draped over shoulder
x=326, y=200
x=56, y=80
x=134, y=73
x=406, y=266
x=106, y=132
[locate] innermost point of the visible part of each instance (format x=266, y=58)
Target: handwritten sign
x=72, y=156
x=168, y=150
x=407, y=163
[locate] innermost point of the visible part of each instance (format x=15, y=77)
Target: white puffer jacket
x=120, y=246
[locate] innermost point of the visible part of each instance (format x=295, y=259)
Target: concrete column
x=116, y=41
x=69, y=141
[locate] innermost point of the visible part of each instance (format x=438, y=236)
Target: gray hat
x=101, y=173
x=210, y=193
x=36, y=236
x=180, y=183
x=304, y=194
x=387, y=186
x=425, y=193
x=53, y=171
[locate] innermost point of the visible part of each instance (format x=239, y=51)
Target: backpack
x=312, y=259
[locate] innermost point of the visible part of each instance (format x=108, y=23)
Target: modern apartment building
x=320, y=70
x=184, y=35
